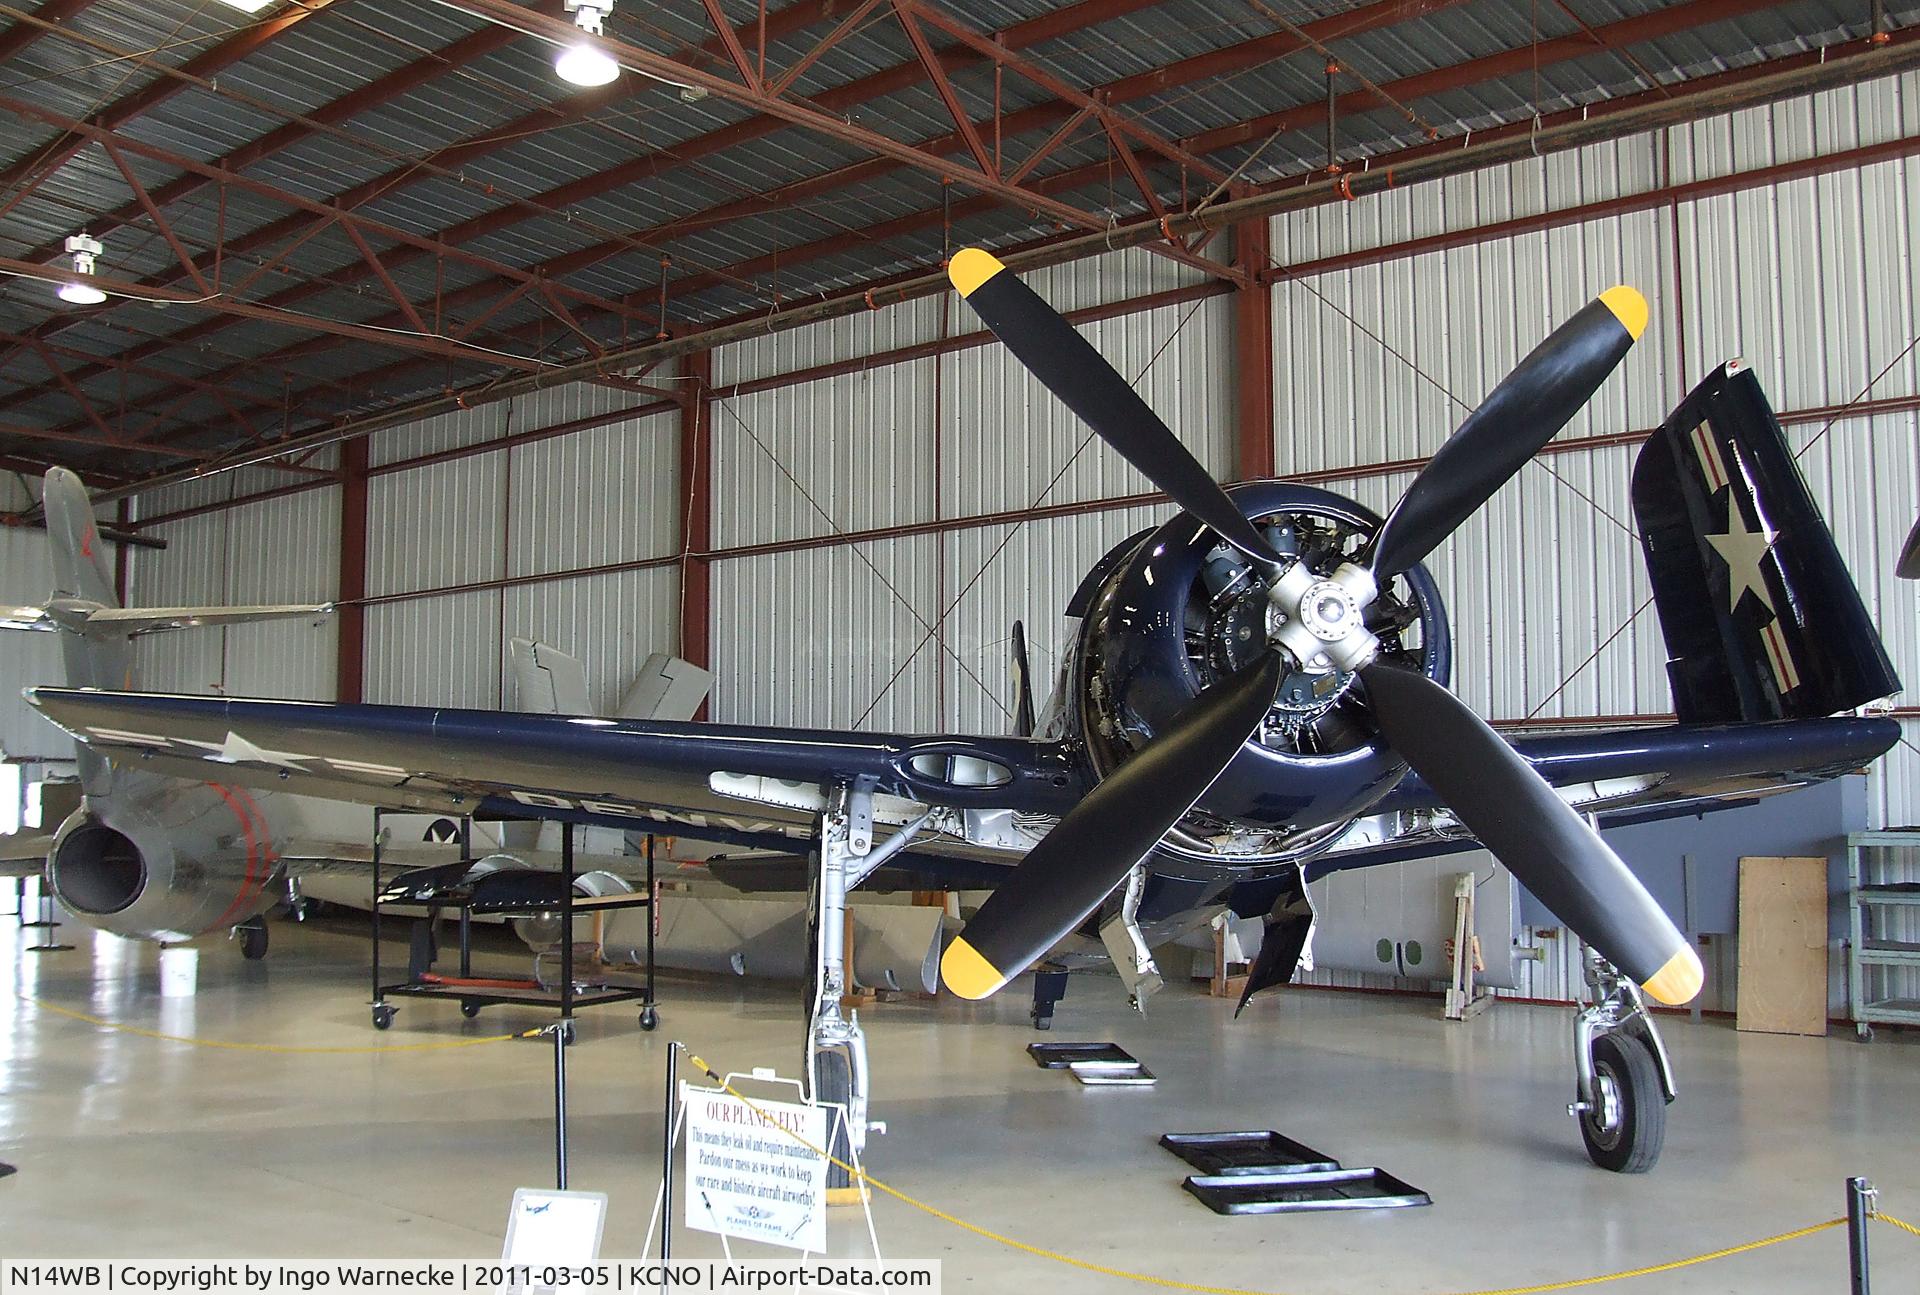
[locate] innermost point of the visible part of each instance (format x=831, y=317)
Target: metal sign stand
x=675, y=1119
x=562, y=1032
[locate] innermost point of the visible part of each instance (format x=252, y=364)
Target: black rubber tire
x=835, y=1084
x=469, y=1010
x=1634, y=1146
x=253, y=942
x=649, y=1020
x=382, y=1017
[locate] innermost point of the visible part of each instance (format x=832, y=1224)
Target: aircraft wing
x=27, y=618
x=149, y=620
x=23, y=854
x=735, y=783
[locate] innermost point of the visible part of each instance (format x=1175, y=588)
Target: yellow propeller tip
x=1629, y=307
x=1679, y=980
x=971, y=267
x=966, y=973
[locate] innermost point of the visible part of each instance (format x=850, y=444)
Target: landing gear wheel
x=253, y=941
x=1628, y=1124
x=649, y=1019
x=834, y=1085
x=469, y=1010
x=382, y=1016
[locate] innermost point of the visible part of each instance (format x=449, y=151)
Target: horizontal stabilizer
x=132, y=621
x=27, y=618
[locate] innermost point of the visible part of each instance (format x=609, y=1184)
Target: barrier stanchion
x=1860, y=1196
x=561, y=1030
x=666, y=1159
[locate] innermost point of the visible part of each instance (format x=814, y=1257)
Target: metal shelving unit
x=567, y=998
x=1885, y=916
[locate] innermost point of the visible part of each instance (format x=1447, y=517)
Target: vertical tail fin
x=1762, y=620
x=81, y=565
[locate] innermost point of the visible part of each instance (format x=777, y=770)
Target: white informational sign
x=547, y=1227
x=750, y=1181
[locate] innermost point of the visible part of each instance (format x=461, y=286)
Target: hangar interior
x=399, y=322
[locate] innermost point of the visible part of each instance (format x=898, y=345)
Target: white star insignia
x=237, y=750
x=1742, y=550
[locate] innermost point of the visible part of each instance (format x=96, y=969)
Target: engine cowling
x=1178, y=611
x=162, y=860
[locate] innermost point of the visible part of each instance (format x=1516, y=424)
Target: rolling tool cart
x=503, y=892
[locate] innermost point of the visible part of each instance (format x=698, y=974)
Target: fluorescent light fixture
x=584, y=62
x=248, y=6
x=82, y=247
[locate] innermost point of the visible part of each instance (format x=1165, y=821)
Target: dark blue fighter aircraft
x=1256, y=692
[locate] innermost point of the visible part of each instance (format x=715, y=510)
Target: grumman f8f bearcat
x=1255, y=692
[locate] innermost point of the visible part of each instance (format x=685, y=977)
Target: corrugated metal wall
x=922, y=621
x=275, y=551
x=1810, y=280
x=507, y=517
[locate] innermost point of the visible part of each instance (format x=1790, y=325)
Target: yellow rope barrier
x=1902, y=1224
x=1202, y=1288
x=307, y=1049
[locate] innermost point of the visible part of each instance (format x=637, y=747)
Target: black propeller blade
x=1096, y=845
x=1072, y=370
x=1523, y=413
x=1517, y=816
x=1908, y=567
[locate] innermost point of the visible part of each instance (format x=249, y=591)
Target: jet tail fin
x=549, y=681
x=1761, y=619
x=81, y=568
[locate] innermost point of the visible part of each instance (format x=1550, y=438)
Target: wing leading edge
x=736, y=783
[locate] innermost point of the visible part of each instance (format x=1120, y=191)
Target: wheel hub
x=1321, y=620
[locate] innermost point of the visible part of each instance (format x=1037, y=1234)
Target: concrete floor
x=137, y=1148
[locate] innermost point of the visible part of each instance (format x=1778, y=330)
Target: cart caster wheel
x=649, y=1020
x=382, y=1017
x=1625, y=1131
x=469, y=1010
x=253, y=942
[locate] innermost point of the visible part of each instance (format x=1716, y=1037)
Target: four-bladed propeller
x=1319, y=622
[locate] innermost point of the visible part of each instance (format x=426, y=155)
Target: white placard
x=749, y=1180
x=554, y=1227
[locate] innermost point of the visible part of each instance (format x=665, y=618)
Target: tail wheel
x=1627, y=1124
x=833, y=1086
x=253, y=941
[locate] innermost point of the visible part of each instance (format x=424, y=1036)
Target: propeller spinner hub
x=1321, y=620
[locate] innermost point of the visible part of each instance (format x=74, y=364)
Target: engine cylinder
x=1181, y=612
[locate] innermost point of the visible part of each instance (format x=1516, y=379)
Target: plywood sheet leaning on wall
x=1783, y=945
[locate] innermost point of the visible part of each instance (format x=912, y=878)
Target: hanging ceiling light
x=584, y=62
x=82, y=247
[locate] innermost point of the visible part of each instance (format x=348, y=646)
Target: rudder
x=1761, y=618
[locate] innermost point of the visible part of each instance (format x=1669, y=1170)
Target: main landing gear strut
x=1622, y=1080
x=836, y=1050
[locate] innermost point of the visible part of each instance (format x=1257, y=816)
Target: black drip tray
x=1064, y=1056
x=1304, y=1192
x=1230, y=1154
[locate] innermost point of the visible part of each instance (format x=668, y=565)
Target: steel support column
x=350, y=616
x=1252, y=354
x=696, y=515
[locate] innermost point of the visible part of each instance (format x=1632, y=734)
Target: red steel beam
x=350, y=616
x=1253, y=355
x=249, y=39
x=1693, y=12
x=696, y=513
x=16, y=38
x=1247, y=54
